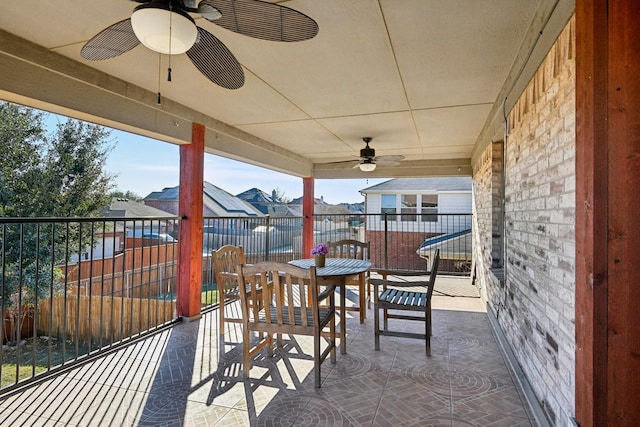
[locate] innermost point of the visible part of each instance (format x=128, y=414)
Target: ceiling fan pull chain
x=159, y=68
x=170, y=39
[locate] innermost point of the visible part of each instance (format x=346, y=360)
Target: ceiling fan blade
x=262, y=20
x=389, y=160
x=215, y=61
x=392, y=158
x=113, y=41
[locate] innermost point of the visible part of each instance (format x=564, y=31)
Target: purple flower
x=320, y=249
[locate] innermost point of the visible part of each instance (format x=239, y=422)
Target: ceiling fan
x=369, y=160
x=166, y=26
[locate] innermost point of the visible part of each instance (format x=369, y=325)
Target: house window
x=429, y=208
x=408, y=207
x=388, y=205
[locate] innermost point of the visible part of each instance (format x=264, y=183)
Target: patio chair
x=355, y=249
x=291, y=305
x=404, y=291
x=225, y=264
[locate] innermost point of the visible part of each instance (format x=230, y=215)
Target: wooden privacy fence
x=101, y=319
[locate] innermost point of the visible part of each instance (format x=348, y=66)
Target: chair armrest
x=397, y=284
x=400, y=279
x=384, y=272
x=329, y=290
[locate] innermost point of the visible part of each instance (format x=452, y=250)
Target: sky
x=143, y=165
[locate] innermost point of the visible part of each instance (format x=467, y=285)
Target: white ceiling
x=426, y=79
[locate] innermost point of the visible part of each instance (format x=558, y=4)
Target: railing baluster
x=76, y=335
x=34, y=334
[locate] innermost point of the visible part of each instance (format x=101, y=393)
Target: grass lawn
x=43, y=348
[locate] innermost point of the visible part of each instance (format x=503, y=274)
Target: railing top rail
x=397, y=213
x=17, y=220
x=251, y=217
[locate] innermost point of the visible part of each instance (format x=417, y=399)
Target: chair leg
x=316, y=358
x=332, y=337
x=427, y=336
x=362, y=297
x=221, y=326
x=385, y=320
x=376, y=322
x=427, y=316
x=246, y=348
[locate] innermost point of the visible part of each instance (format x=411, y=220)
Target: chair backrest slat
x=349, y=248
x=225, y=264
x=434, y=272
x=402, y=279
x=291, y=295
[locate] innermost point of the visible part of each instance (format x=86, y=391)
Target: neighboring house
x=112, y=240
x=419, y=195
x=267, y=204
x=354, y=208
x=320, y=207
x=125, y=208
x=431, y=213
x=217, y=202
x=258, y=199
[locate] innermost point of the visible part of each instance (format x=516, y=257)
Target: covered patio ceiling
x=426, y=79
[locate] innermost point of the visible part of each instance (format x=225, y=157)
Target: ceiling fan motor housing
x=367, y=152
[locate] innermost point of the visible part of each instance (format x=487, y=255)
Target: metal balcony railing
x=71, y=288
x=404, y=241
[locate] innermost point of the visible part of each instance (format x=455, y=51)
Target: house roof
x=255, y=195
x=120, y=207
x=215, y=199
x=282, y=210
x=316, y=201
x=320, y=207
x=455, y=245
x=458, y=183
x=258, y=199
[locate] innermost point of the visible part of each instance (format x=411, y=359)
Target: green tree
x=21, y=136
x=279, y=196
x=57, y=175
x=129, y=195
x=69, y=180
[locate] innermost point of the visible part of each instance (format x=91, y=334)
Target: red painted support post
x=190, y=209
x=623, y=231
x=607, y=206
x=591, y=216
x=307, y=213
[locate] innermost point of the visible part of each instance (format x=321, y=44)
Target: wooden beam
x=191, y=212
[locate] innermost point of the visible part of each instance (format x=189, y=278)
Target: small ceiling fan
x=166, y=26
x=369, y=160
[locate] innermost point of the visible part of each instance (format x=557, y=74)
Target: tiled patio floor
x=176, y=378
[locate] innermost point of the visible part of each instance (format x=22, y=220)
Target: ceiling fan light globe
x=163, y=30
x=367, y=166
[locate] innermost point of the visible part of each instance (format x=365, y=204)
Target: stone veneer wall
x=535, y=305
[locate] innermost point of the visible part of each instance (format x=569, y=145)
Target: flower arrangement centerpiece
x=319, y=253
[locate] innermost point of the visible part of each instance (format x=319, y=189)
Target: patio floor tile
x=180, y=377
